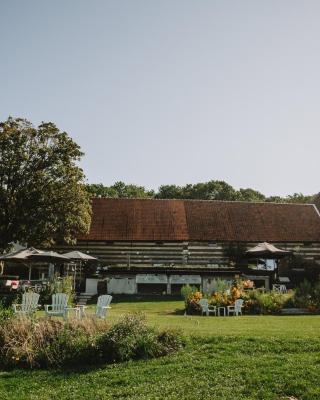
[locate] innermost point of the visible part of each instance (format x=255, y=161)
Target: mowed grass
x=249, y=357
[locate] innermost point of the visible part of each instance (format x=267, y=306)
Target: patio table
x=221, y=309
x=77, y=312
x=82, y=311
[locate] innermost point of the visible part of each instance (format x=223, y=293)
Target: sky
x=172, y=91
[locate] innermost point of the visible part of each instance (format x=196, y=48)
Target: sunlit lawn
x=249, y=357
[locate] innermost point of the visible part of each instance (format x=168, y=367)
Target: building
x=156, y=246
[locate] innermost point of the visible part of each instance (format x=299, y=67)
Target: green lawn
x=249, y=357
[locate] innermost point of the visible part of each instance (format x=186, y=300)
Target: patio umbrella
x=81, y=258
x=50, y=257
x=47, y=256
x=22, y=256
x=267, y=251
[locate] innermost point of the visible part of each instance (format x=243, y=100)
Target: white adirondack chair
x=206, y=309
x=58, y=306
x=236, y=309
x=29, y=304
x=103, y=304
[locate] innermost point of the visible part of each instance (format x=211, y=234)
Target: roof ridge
x=205, y=200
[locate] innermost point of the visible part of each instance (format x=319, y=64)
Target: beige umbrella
x=82, y=258
x=22, y=256
x=267, y=251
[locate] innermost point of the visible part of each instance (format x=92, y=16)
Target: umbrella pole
x=74, y=277
x=30, y=272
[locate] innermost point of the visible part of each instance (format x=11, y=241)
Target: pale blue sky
x=172, y=91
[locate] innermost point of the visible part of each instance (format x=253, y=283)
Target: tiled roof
x=176, y=220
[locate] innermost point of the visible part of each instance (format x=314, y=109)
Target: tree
x=250, y=195
x=119, y=190
x=316, y=200
x=42, y=195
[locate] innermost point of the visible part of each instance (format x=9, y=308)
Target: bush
x=45, y=343
x=131, y=338
x=58, y=285
x=5, y=313
x=26, y=342
x=308, y=296
x=267, y=303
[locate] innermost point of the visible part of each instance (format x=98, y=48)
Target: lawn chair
x=103, y=304
x=58, y=306
x=236, y=309
x=206, y=309
x=280, y=288
x=29, y=304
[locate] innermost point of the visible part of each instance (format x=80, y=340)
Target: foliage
x=270, y=302
x=42, y=196
x=131, y=338
x=255, y=301
x=307, y=295
x=5, y=313
x=43, y=343
x=58, y=285
x=211, y=190
x=119, y=190
x=27, y=342
x=220, y=285
x=191, y=297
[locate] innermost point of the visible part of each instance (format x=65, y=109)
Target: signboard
x=185, y=279
x=151, y=278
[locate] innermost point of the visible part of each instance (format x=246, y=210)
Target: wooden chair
x=236, y=309
x=58, y=306
x=206, y=309
x=29, y=304
x=103, y=304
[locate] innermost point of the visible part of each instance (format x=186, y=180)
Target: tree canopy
x=42, y=195
x=212, y=190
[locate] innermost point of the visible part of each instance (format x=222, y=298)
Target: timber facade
x=156, y=246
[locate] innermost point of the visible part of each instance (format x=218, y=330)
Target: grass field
x=249, y=357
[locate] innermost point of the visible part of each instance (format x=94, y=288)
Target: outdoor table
x=82, y=312
x=77, y=311
x=221, y=309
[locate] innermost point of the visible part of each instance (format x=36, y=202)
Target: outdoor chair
x=280, y=288
x=236, y=309
x=206, y=309
x=58, y=306
x=29, y=304
x=103, y=304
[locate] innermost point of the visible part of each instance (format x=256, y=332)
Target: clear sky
x=172, y=91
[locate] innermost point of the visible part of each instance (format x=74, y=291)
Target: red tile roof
x=176, y=220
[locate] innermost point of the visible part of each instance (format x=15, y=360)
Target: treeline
x=212, y=190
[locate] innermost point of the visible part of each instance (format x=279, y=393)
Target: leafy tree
x=42, y=196
x=316, y=200
x=298, y=198
x=119, y=190
x=169, y=192
x=250, y=195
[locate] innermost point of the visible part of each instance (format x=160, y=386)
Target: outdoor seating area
x=60, y=308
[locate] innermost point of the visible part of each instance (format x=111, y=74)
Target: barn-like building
x=156, y=246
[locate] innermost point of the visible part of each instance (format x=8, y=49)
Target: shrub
x=191, y=296
x=5, y=313
x=58, y=285
x=28, y=342
x=270, y=302
x=308, y=295
x=131, y=338
x=45, y=343
x=220, y=285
